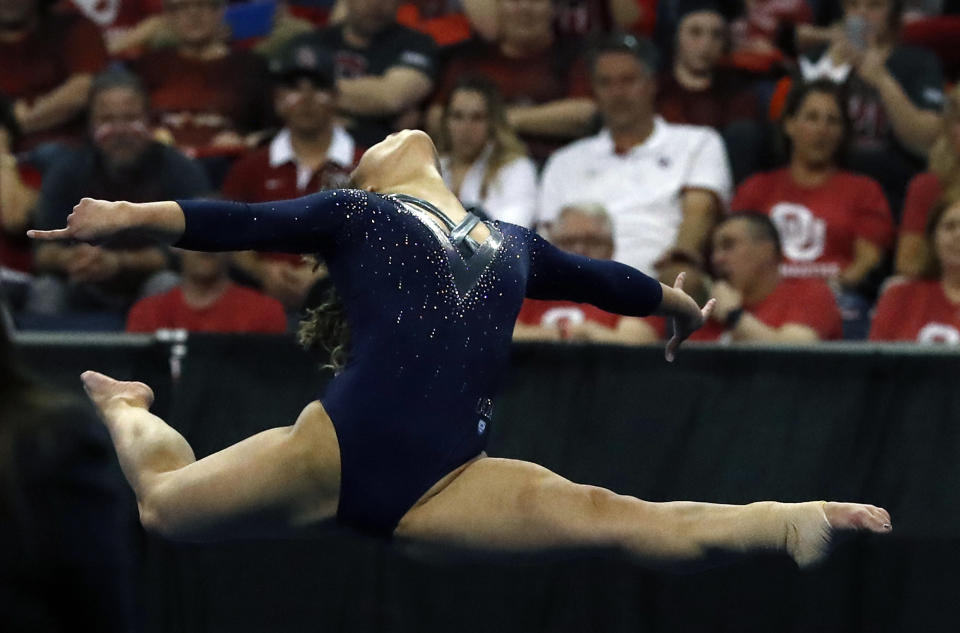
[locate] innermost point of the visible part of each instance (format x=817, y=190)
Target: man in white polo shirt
x=663, y=184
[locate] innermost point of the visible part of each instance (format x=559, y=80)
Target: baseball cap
x=304, y=60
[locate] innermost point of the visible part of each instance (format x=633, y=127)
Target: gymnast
x=395, y=447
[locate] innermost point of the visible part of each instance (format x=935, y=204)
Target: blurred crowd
x=800, y=159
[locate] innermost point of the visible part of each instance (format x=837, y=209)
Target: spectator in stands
x=927, y=310
x=206, y=96
x=127, y=25
x=384, y=70
x=310, y=153
x=585, y=230
x=443, y=20
x=894, y=93
x=18, y=196
x=764, y=36
x=48, y=60
x=481, y=158
x=835, y=224
x=67, y=560
x=120, y=162
x=663, y=184
x=575, y=17
x=541, y=77
x=698, y=91
x=207, y=301
x=941, y=181
x=754, y=302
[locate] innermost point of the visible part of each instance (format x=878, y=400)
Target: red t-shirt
x=60, y=47
x=726, y=100
x=16, y=250
x=916, y=311
x=563, y=314
x=819, y=226
x=923, y=191
x=197, y=99
x=431, y=17
x=238, y=310
x=589, y=17
x=116, y=17
x=806, y=302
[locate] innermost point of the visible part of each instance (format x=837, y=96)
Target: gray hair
x=592, y=210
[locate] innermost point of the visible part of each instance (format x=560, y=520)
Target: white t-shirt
x=641, y=189
x=511, y=196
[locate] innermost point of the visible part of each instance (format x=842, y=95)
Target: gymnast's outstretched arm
x=294, y=226
x=611, y=286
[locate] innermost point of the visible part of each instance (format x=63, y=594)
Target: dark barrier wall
x=718, y=425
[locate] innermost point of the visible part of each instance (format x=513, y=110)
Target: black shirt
x=393, y=47
x=162, y=173
x=874, y=148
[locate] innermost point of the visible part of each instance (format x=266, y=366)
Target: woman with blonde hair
x=481, y=158
x=941, y=182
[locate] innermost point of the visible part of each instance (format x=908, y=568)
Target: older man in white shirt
x=663, y=184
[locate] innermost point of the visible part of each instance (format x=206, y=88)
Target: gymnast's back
x=430, y=313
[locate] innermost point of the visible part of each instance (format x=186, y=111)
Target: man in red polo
x=311, y=153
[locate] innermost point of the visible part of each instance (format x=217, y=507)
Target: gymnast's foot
x=105, y=392
x=812, y=526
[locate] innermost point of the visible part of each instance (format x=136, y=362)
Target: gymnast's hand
x=685, y=315
x=102, y=221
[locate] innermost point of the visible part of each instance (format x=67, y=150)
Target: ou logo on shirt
x=101, y=12
x=562, y=316
x=939, y=333
x=803, y=234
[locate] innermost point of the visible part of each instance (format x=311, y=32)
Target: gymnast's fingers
x=708, y=309
x=57, y=234
x=671, y=352
x=678, y=284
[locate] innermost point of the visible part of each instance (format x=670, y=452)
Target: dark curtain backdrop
x=727, y=426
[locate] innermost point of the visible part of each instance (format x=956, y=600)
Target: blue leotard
x=430, y=327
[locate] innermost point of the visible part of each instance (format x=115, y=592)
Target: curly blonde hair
x=324, y=329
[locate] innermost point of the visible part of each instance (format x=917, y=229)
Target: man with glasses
x=119, y=160
x=587, y=230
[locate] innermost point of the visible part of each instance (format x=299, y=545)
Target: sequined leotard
x=430, y=327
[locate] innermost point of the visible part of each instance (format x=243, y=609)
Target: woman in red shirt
x=927, y=310
x=943, y=179
x=834, y=224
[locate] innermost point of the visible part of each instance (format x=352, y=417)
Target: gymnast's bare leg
x=270, y=484
x=509, y=504
x=286, y=478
